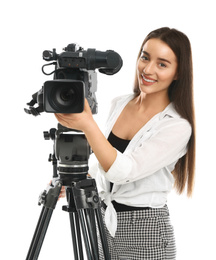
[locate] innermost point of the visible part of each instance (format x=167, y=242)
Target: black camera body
x=74, y=79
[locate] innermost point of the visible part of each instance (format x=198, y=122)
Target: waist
x=121, y=207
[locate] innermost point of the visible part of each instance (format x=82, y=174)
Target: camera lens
x=63, y=97
x=66, y=96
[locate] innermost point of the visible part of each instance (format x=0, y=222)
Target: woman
x=149, y=145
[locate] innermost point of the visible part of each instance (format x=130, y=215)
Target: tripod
x=69, y=158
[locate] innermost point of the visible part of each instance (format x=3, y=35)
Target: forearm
x=102, y=149
x=85, y=122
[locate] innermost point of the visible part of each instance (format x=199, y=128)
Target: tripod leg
x=76, y=236
x=39, y=234
x=49, y=200
x=86, y=200
x=85, y=234
x=102, y=234
x=75, y=225
x=35, y=234
x=91, y=225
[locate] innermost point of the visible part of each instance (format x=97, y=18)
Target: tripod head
x=70, y=156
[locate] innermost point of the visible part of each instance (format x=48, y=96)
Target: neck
x=152, y=102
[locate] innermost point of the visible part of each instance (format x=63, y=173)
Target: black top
x=120, y=144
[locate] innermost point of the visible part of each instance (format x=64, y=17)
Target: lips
x=147, y=80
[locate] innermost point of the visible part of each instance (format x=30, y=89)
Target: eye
x=162, y=65
x=144, y=57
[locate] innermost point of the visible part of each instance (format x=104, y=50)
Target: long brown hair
x=181, y=94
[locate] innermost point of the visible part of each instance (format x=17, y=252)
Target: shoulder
x=170, y=118
x=117, y=105
x=122, y=99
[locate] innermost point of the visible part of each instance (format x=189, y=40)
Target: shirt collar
x=170, y=111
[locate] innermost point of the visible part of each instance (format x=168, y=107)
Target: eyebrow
x=162, y=59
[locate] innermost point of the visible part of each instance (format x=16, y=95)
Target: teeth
x=148, y=80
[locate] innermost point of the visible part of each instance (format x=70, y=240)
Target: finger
x=61, y=119
x=61, y=196
x=87, y=107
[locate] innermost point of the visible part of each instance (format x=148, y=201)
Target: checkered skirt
x=142, y=235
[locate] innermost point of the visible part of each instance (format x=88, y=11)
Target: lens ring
x=66, y=97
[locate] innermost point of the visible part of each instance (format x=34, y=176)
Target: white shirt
x=142, y=174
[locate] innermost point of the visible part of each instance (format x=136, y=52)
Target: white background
x=28, y=28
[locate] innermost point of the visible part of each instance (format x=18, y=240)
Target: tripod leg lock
x=85, y=194
x=50, y=196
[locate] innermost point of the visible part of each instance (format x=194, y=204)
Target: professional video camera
x=74, y=80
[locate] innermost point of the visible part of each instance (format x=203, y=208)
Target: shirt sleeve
x=166, y=145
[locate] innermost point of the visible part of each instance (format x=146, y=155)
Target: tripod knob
x=93, y=200
x=46, y=135
x=50, y=134
x=50, y=159
x=96, y=199
x=42, y=197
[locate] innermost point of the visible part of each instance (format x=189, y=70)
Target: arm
x=161, y=150
x=85, y=122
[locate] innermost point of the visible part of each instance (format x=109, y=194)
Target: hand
x=103, y=150
x=77, y=121
x=62, y=193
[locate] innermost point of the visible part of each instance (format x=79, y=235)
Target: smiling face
x=156, y=67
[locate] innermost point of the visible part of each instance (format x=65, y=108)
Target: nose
x=149, y=68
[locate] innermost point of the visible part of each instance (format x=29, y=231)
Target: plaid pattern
x=142, y=235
